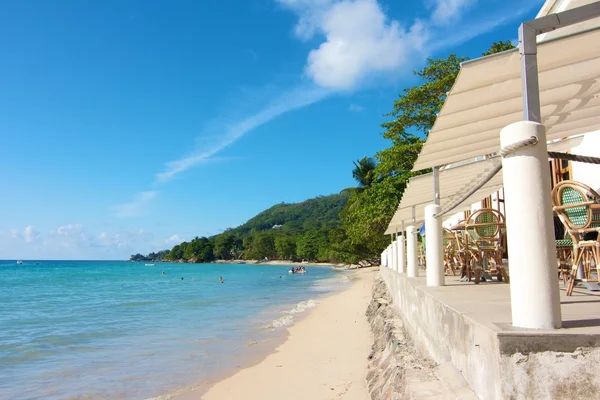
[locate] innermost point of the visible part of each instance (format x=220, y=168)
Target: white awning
x=455, y=182
x=487, y=96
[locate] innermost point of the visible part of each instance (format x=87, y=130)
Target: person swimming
x=221, y=279
x=163, y=273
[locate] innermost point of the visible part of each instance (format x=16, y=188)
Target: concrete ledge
x=469, y=326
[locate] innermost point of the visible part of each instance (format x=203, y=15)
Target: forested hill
x=322, y=211
x=288, y=231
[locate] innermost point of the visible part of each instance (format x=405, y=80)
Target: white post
x=534, y=291
x=411, y=252
x=434, y=242
x=394, y=256
x=382, y=258
x=387, y=257
x=401, y=254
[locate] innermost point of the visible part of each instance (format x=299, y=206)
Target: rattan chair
x=484, y=230
x=573, y=204
x=450, y=251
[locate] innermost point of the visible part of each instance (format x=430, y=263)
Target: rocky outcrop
x=396, y=369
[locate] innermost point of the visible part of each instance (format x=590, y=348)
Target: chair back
x=571, y=201
x=485, y=224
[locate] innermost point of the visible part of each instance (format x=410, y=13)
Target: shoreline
x=272, y=262
x=329, y=342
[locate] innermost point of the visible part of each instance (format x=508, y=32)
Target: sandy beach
x=324, y=356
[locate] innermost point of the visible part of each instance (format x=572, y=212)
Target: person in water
x=221, y=279
x=163, y=272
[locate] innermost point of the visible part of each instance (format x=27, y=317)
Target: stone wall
x=396, y=368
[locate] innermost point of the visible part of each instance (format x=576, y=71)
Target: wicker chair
x=573, y=204
x=450, y=251
x=484, y=230
x=564, y=253
x=421, y=259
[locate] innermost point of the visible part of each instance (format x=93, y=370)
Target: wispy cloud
x=360, y=44
x=449, y=11
x=482, y=26
x=224, y=133
x=136, y=207
x=356, y=108
x=29, y=234
x=74, y=241
x=173, y=240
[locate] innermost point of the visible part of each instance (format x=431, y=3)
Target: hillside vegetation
x=286, y=231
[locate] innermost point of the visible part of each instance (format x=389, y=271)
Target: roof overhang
x=455, y=181
x=487, y=96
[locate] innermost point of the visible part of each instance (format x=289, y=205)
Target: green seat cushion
x=564, y=242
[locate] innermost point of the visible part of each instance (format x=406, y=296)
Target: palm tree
x=364, y=171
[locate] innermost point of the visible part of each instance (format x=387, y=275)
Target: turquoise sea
x=123, y=330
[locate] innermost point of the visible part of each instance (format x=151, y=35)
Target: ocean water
x=122, y=330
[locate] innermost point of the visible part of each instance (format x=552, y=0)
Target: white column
x=411, y=252
x=387, y=256
x=382, y=258
x=394, y=256
x=434, y=242
x=534, y=291
x=401, y=254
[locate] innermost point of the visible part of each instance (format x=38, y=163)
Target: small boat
x=297, y=272
x=19, y=262
x=149, y=265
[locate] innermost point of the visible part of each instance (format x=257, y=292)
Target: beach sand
x=324, y=356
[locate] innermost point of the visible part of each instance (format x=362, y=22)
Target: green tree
x=224, y=246
x=364, y=171
x=285, y=247
x=176, y=252
x=368, y=212
x=313, y=245
x=498, y=47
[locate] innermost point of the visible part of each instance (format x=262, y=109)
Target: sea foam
x=288, y=317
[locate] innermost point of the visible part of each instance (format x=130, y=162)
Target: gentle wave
x=130, y=323
x=288, y=318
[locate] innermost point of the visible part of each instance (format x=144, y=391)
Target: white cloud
x=137, y=207
x=448, y=11
x=360, y=41
x=356, y=108
x=70, y=230
x=362, y=44
x=175, y=239
x=29, y=234
x=224, y=133
x=74, y=241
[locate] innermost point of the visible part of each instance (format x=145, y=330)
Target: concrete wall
x=446, y=336
x=497, y=365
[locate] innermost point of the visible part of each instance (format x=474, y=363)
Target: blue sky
x=128, y=126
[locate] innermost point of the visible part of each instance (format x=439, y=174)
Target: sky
x=130, y=126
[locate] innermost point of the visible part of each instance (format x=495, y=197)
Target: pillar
x=411, y=252
x=387, y=256
x=401, y=254
x=434, y=251
x=534, y=294
x=394, y=256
